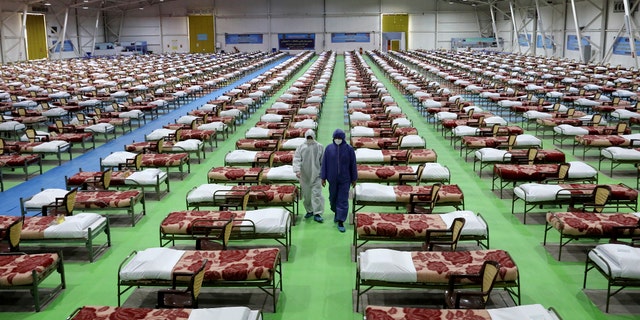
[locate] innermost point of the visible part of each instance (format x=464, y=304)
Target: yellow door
x=36, y=37
x=201, y=34
x=395, y=45
x=396, y=23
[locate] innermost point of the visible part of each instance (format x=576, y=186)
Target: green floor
x=319, y=275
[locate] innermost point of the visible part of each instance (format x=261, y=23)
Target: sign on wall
x=68, y=46
x=297, y=41
x=337, y=37
x=252, y=38
x=524, y=39
x=572, y=42
x=548, y=42
x=622, y=46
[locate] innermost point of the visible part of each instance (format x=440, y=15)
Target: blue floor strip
x=90, y=161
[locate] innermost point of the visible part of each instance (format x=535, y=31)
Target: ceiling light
x=85, y=7
x=47, y=3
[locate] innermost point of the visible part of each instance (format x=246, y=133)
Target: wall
x=432, y=24
x=598, y=22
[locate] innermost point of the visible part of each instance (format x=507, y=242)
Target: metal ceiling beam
x=632, y=40
x=577, y=28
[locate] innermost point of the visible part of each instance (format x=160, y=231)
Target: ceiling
x=105, y=5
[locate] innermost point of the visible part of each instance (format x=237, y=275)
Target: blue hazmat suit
x=307, y=162
x=340, y=170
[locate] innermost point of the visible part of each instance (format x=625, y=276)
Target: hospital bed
x=248, y=268
x=266, y=223
x=617, y=263
x=576, y=225
x=108, y=313
x=430, y=269
x=531, y=311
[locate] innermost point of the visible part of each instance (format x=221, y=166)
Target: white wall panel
x=242, y=7
x=407, y=6
x=296, y=7
x=242, y=25
x=353, y=7
x=12, y=47
x=296, y=25
x=175, y=35
x=353, y=24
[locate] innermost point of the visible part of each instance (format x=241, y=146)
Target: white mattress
x=401, y=122
x=146, y=177
x=624, y=114
x=412, y=141
x=227, y=313
x=361, y=131
x=368, y=155
x=623, y=260
x=284, y=172
x=217, y=126
x=489, y=121
x=100, y=128
x=579, y=169
x=159, y=134
x=75, y=226
x=205, y=192
x=569, y=130
x=306, y=124
x=12, y=126
x=240, y=156
x=619, y=153
x=528, y=140
x=387, y=265
x=188, y=145
x=152, y=263
x=434, y=171
x=492, y=155
x=292, y=144
x=461, y=131
x=473, y=225
x=52, y=146
x=116, y=158
x=44, y=198
x=268, y=220
x=270, y=117
x=539, y=192
x=374, y=192
x=525, y=312
x=186, y=119
x=257, y=133
x=359, y=116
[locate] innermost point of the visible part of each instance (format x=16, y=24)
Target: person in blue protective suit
x=339, y=168
x=307, y=161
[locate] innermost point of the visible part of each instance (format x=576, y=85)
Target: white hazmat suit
x=307, y=161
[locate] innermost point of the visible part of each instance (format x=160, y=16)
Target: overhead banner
x=572, y=42
x=350, y=37
x=297, y=41
x=246, y=38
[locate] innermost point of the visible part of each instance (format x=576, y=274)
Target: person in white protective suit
x=307, y=161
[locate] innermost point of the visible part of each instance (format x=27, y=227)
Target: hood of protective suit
x=339, y=134
x=310, y=133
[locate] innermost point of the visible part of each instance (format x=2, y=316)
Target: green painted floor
x=319, y=276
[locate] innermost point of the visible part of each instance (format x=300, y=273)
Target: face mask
x=337, y=141
x=309, y=141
